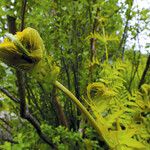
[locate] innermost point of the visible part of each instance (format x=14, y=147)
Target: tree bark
x=58, y=108
x=144, y=72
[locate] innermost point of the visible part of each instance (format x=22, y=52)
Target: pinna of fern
x=118, y=112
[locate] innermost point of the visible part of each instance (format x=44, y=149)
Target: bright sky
x=144, y=36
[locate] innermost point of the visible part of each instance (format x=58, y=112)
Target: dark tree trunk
x=144, y=72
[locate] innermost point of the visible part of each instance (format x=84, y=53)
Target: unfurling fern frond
x=25, y=51
x=122, y=116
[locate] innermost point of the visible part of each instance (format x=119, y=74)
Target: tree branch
x=58, y=109
x=124, y=36
x=28, y=116
x=7, y=93
x=3, y=120
x=8, y=140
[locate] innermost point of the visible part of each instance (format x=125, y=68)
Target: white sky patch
x=143, y=3
x=144, y=36
x=13, y=1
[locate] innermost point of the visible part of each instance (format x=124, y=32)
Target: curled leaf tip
x=22, y=50
x=26, y=51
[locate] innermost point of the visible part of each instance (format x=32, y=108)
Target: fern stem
x=82, y=108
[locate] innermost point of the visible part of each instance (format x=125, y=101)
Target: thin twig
x=7, y=93
x=3, y=120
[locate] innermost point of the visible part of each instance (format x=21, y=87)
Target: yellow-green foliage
x=46, y=70
x=123, y=117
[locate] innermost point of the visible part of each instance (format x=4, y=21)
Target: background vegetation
x=88, y=39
